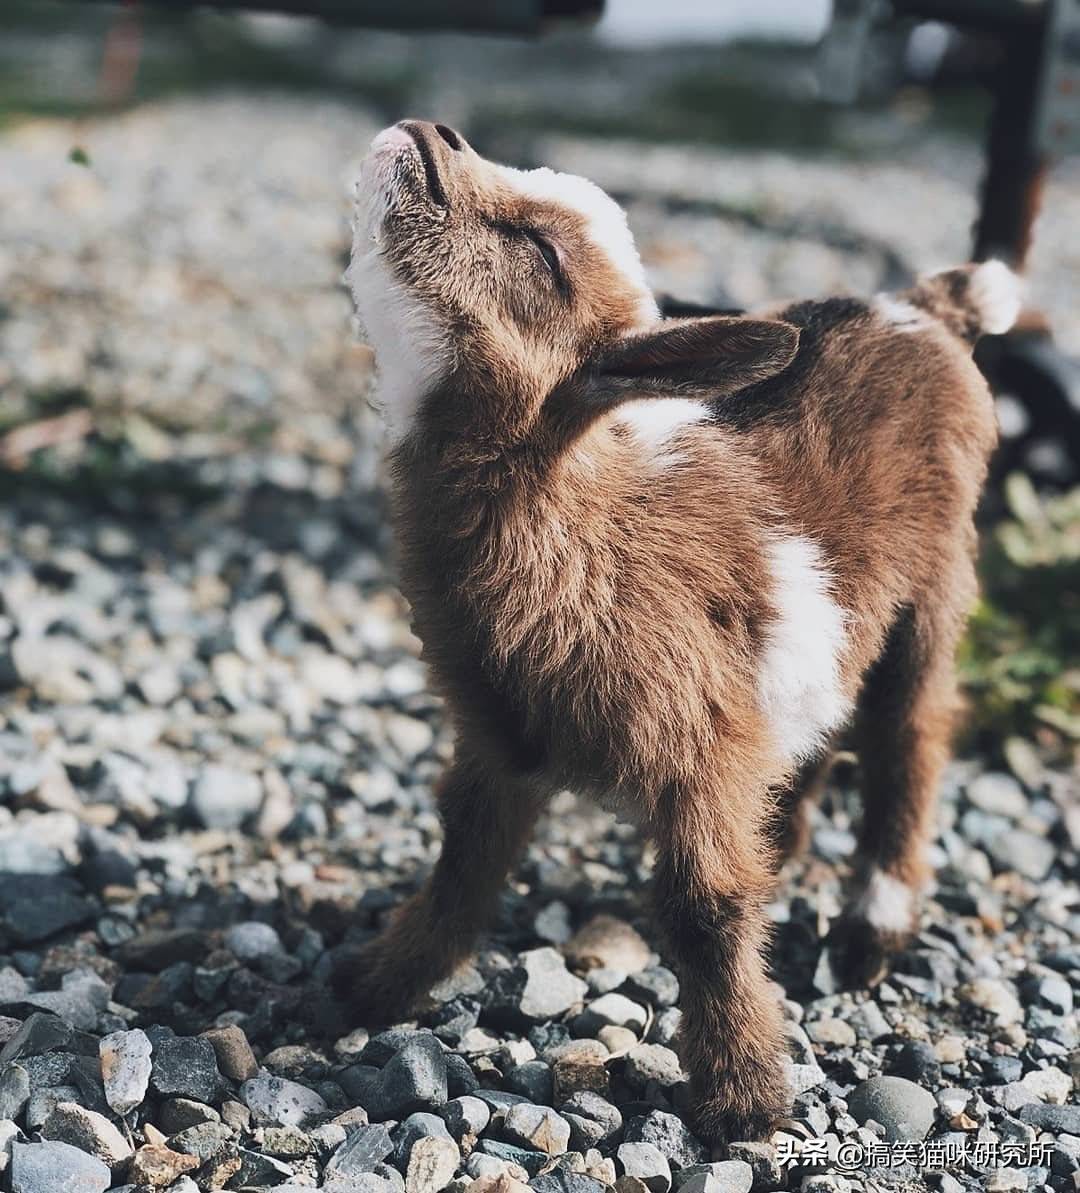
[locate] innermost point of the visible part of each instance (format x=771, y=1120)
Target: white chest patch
x=656, y=422
x=799, y=681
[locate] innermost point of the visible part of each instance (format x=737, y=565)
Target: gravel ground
x=216, y=738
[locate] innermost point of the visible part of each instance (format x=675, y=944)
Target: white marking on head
x=799, y=681
x=899, y=314
x=412, y=348
x=887, y=904
x=605, y=221
x=997, y=296
x=654, y=422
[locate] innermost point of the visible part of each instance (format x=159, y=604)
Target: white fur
x=654, y=422
x=412, y=348
x=799, y=683
x=887, y=903
x=996, y=294
x=605, y=220
x=901, y=315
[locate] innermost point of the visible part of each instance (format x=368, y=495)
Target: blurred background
x=211, y=706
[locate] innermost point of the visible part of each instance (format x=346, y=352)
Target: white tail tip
x=996, y=294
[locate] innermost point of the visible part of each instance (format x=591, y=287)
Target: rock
x=178, y=1114
x=159, y=1166
x=725, y=1176
x=869, y=1022
x=1048, y=1085
x=645, y=1163
x=904, y=1109
x=251, y=940
x=234, y=1056
x=653, y=1062
x=274, y=1101
x=533, y=1080
x=610, y=1010
x=608, y=943
x=90, y=1132
x=531, y=1161
x=154, y=951
x=917, y=1061
x=1058, y=1120
x=431, y=1165
x=465, y=1117
x=669, y=1135
x=39, y=1033
x=503, y=1182
x=655, y=986
x=204, y=1141
x=55, y=1167
x=997, y=998
x=997, y=793
x=577, y=1067
x=125, y=1069
x=537, y=989
x=537, y=1127
x=364, y=1148
x=763, y=1160
x=223, y=798
x=1024, y=852
x=14, y=1091
x=563, y=1180
x=415, y=1078
x=185, y=1066
x=834, y=1033
x=801, y=1078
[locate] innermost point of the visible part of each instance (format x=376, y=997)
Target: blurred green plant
x=1020, y=661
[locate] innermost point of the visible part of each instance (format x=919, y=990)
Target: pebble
x=274, y=1101
x=610, y=1010
x=724, y=1176
x=55, y=1167
x=904, y=1109
x=644, y=1163
x=415, y=1078
x=235, y=1058
x=93, y=1133
x=537, y=1127
x=224, y=798
x=125, y=1069
x=185, y=1066
x=607, y=943
x=669, y=1135
x=364, y=1148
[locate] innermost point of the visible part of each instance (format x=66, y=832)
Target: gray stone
x=465, y=1117
x=223, y=798
x=251, y=940
x=90, y=1132
x=14, y=1091
x=125, y=1069
x=417, y=1126
x=537, y=1127
x=670, y=1135
x=763, y=1161
x=645, y=1163
x=997, y=793
x=204, y=1141
x=274, y=1101
x=186, y=1066
x=1058, y=1120
x=653, y=1062
x=539, y=988
x=533, y=1080
x=432, y=1163
x=1024, y=852
x=725, y=1176
x=55, y=1167
x=363, y=1149
x=178, y=1114
x=611, y=1010
x=39, y=1033
x=904, y=1109
x=415, y=1078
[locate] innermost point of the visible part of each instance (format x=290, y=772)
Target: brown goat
x=662, y=563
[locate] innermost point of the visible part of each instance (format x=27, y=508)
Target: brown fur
x=598, y=624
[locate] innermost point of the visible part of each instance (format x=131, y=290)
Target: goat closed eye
x=547, y=252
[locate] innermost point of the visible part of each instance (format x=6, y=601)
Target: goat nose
x=449, y=136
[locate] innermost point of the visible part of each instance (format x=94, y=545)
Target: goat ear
x=699, y=357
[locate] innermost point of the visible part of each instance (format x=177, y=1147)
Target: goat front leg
x=486, y=822
x=713, y=878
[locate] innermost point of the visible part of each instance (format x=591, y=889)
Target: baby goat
x=662, y=563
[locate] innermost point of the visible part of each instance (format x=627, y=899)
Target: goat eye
x=546, y=250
